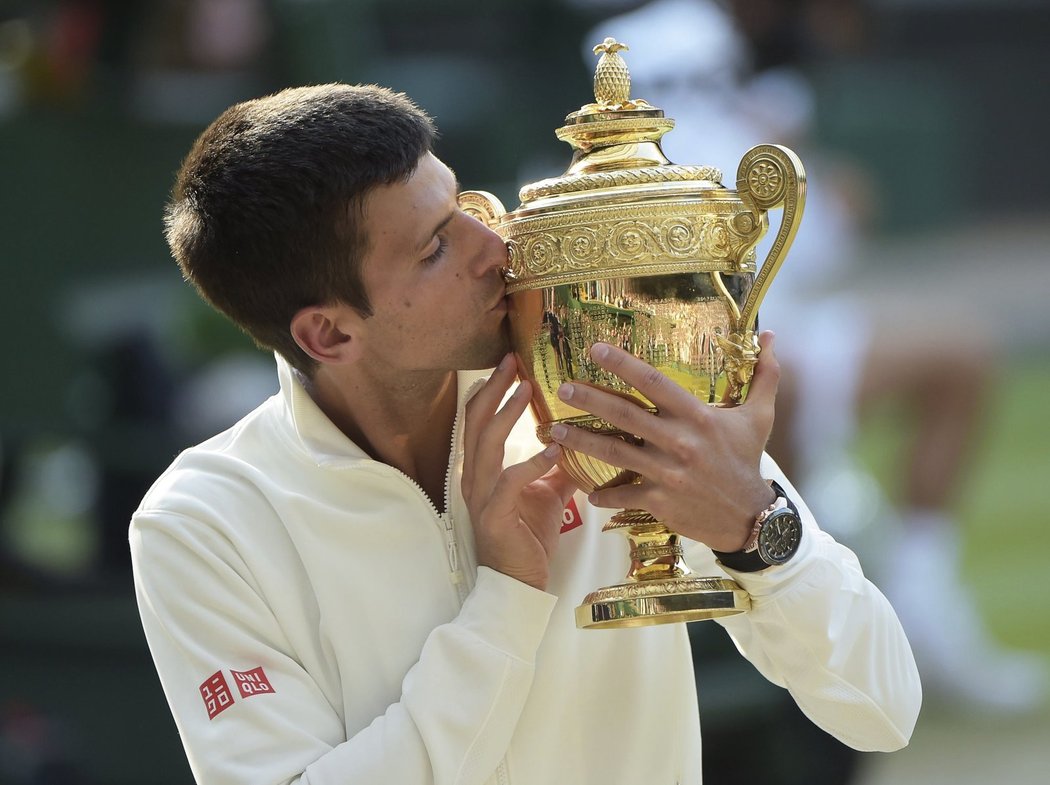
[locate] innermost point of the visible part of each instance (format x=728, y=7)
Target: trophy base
x=645, y=603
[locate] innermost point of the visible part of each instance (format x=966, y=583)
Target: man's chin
x=490, y=355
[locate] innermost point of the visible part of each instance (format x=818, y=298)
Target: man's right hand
x=516, y=511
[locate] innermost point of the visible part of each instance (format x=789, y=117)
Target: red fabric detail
x=253, y=682
x=216, y=694
x=570, y=517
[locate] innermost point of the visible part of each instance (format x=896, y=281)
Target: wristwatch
x=774, y=539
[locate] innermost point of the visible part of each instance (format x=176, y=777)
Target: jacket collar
x=317, y=435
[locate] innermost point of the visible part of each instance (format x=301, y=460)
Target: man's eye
x=436, y=256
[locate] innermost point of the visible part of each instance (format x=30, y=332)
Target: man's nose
x=492, y=251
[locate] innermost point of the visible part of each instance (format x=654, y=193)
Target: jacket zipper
x=451, y=546
x=501, y=773
x=456, y=575
x=458, y=578
x=502, y=777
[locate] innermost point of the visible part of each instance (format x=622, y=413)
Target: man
x=348, y=586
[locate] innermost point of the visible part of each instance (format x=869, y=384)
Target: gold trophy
x=632, y=250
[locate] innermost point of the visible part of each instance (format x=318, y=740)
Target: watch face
x=780, y=537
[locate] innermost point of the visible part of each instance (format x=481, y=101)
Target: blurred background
x=911, y=321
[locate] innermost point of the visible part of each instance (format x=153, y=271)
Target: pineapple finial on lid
x=612, y=80
x=614, y=117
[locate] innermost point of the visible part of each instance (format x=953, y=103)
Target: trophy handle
x=482, y=205
x=770, y=176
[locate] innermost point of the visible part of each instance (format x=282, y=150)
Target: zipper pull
x=456, y=575
x=453, y=557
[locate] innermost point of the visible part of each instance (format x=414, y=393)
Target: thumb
x=514, y=478
x=763, y=389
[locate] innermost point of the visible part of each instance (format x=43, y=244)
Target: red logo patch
x=253, y=682
x=570, y=517
x=216, y=694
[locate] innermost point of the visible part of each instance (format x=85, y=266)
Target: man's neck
x=407, y=424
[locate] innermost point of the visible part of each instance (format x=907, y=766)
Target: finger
x=481, y=406
x=659, y=389
x=624, y=411
x=631, y=496
x=493, y=434
x=613, y=450
x=763, y=390
x=486, y=459
x=513, y=479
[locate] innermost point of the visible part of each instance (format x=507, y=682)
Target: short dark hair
x=265, y=214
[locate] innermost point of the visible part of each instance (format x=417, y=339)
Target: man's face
x=432, y=274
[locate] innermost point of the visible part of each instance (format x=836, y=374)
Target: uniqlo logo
x=570, y=517
x=253, y=682
x=216, y=694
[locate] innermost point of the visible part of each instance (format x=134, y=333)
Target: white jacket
x=315, y=620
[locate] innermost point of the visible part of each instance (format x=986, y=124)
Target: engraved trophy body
x=630, y=249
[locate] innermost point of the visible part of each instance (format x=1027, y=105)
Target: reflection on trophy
x=630, y=249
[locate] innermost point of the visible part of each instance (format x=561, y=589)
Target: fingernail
x=565, y=391
x=599, y=351
x=551, y=451
x=559, y=432
x=504, y=364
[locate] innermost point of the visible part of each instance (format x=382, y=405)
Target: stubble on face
x=488, y=350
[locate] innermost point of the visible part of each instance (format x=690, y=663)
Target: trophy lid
x=622, y=209
x=616, y=139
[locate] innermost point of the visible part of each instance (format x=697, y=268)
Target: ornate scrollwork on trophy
x=587, y=423
x=629, y=242
x=648, y=551
x=582, y=247
x=633, y=241
x=739, y=357
x=765, y=173
x=650, y=588
x=483, y=206
x=766, y=180
x=541, y=255
x=771, y=176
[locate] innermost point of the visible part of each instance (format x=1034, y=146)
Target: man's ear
x=328, y=333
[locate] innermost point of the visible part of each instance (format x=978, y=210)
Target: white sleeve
x=459, y=705
x=821, y=629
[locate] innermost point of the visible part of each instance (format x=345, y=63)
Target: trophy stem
x=660, y=588
x=656, y=552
